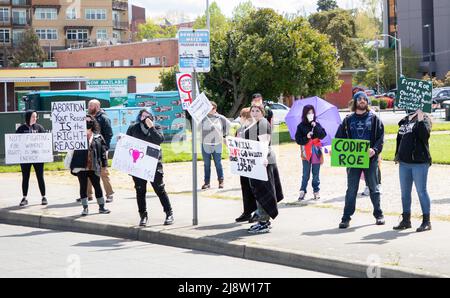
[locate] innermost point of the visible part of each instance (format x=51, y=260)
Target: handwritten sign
x=69, y=126
x=136, y=157
x=28, y=148
x=350, y=153
x=200, y=107
x=247, y=158
x=414, y=95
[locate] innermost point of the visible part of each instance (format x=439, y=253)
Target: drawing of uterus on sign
x=136, y=154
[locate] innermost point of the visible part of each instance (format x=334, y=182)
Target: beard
x=362, y=106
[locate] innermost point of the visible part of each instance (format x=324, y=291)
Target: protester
x=94, y=109
x=308, y=136
x=248, y=199
x=31, y=126
x=87, y=165
x=257, y=99
x=267, y=193
x=413, y=155
x=214, y=127
x=145, y=129
x=362, y=125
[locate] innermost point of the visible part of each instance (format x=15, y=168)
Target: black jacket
x=376, y=136
x=412, y=141
x=98, y=150
x=303, y=130
x=35, y=128
x=105, y=127
x=152, y=135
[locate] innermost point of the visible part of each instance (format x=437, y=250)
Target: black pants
x=247, y=196
x=83, y=177
x=158, y=186
x=26, y=169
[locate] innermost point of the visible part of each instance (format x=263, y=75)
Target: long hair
x=96, y=127
x=28, y=115
x=306, y=110
x=259, y=108
x=142, y=111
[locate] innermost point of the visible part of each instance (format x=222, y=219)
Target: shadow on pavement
x=382, y=238
x=34, y=233
x=335, y=231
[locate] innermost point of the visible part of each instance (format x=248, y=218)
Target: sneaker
x=253, y=218
x=259, y=228
x=103, y=210
x=85, y=211
x=243, y=217
x=301, y=197
x=221, y=185
x=344, y=224
x=144, y=219
x=109, y=199
x=380, y=221
x=206, y=186
x=169, y=219
x=316, y=196
x=366, y=191
x=44, y=202
x=24, y=202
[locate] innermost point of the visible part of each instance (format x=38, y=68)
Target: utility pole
x=208, y=20
x=428, y=26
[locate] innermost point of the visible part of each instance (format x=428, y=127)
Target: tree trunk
x=238, y=100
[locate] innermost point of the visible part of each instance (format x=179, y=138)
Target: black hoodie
x=412, y=141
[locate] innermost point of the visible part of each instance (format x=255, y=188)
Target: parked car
x=279, y=112
x=440, y=95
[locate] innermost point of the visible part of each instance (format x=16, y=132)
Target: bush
x=383, y=104
x=375, y=103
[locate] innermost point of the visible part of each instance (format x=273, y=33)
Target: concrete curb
x=237, y=249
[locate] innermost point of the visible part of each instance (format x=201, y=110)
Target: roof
x=42, y=79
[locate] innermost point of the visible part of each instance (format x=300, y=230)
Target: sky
x=192, y=8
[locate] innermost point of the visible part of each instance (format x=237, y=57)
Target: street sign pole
x=194, y=155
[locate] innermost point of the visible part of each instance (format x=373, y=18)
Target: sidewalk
x=304, y=236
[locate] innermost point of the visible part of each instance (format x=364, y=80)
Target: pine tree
x=29, y=50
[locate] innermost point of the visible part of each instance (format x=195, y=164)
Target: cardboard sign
x=200, y=107
x=350, y=153
x=136, y=157
x=28, y=148
x=247, y=158
x=414, y=95
x=69, y=126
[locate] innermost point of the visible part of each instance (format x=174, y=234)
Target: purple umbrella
x=326, y=114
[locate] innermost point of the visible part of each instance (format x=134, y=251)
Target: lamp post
x=428, y=26
x=397, y=55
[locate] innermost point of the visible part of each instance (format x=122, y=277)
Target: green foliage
x=383, y=104
x=29, y=50
x=151, y=30
x=326, y=5
x=367, y=26
x=168, y=80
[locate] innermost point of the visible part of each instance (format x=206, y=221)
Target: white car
x=279, y=112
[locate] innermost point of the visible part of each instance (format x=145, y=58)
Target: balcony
x=79, y=44
x=120, y=5
x=5, y=23
x=21, y=21
x=20, y=3
x=117, y=25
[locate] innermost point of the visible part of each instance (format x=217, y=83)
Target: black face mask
x=89, y=124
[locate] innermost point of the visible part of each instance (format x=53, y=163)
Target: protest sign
x=414, y=95
x=350, y=153
x=247, y=158
x=200, y=107
x=28, y=148
x=136, y=157
x=184, y=84
x=69, y=126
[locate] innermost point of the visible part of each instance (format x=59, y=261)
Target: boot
x=144, y=219
x=426, y=224
x=405, y=223
x=221, y=183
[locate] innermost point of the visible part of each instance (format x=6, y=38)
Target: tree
x=326, y=5
x=340, y=26
x=151, y=30
x=29, y=50
x=367, y=27
x=218, y=20
x=168, y=80
x=264, y=52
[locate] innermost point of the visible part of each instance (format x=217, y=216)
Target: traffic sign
x=193, y=50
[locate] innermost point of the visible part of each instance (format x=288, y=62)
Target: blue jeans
x=417, y=173
x=214, y=151
x=307, y=167
x=353, y=176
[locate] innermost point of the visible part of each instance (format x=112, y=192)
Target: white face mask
x=310, y=117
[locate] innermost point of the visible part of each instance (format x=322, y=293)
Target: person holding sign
x=308, y=136
x=267, y=193
x=413, y=154
x=31, y=126
x=362, y=125
x=144, y=129
x=87, y=165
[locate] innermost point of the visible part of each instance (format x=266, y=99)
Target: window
x=17, y=37
x=19, y=17
x=4, y=15
x=150, y=61
x=46, y=14
x=102, y=34
x=47, y=34
x=95, y=14
x=71, y=14
x=77, y=34
x=5, y=35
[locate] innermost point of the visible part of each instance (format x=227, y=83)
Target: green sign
x=49, y=64
x=414, y=95
x=350, y=153
x=117, y=87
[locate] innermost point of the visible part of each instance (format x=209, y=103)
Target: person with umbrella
x=362, y=125
x=309, y=135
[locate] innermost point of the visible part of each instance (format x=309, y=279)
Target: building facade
x=422, y=25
